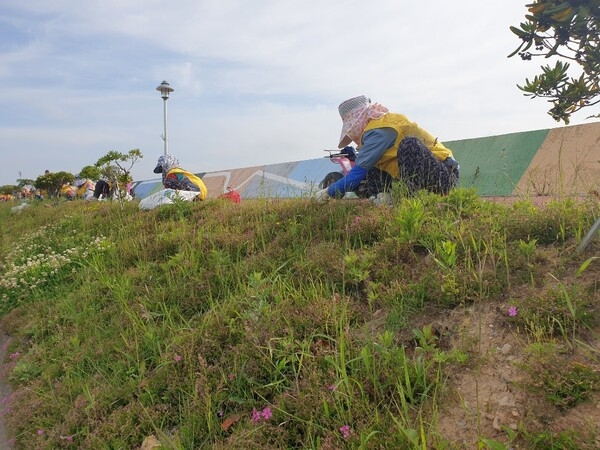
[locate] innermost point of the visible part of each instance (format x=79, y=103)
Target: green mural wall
x=494, y=165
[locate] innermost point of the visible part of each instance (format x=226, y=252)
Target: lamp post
x=165, y=89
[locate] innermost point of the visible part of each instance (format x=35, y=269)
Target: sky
x=255, y=81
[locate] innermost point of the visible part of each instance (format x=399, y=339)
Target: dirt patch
x=491, y=396
x=484, y=396
x=5, y=391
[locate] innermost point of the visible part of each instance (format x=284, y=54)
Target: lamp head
x=165, y=89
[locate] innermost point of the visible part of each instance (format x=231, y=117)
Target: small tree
x=9, y=189
x=52, y=182
x=90, y=172
x=22, y=182
x=116, y=168
x=570, y=30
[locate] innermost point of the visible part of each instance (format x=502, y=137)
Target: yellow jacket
x=177, y=178
x=404, y=127
x=68, y=190
x=85, y=186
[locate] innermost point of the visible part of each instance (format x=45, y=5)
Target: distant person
x=26, y=191
x=104, y=189
x=85, y=187
x=390, y=147
x=174, y=177
x=101, y=190
x=231, y=195
x=68, y=191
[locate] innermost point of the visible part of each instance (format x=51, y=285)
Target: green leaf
x=585, y=265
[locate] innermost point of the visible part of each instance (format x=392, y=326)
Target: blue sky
x=256, y=81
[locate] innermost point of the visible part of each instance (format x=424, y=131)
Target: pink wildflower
x=40, y=432
x=256, y=415
x=267, y=413
x=177, y=358
x=231, y=377
x=331, y=387
x=346, y=431
x=512, y=311
x=14, y=355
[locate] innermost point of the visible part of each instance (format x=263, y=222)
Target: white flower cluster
x=32, y=262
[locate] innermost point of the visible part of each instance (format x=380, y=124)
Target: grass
x=290, y=324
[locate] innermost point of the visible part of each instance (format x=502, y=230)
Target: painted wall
x=563, y=160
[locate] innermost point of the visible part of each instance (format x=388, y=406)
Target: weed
x=564, y=385
x=287, y=324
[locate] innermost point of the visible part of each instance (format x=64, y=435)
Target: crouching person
x=174, y=177
x=390, y=147
x=85, y=187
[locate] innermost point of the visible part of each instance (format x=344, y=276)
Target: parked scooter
x=345, y=158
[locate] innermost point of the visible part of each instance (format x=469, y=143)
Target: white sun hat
x=356, y=113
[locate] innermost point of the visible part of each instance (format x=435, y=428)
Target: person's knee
x=412, y=147
x=411, y=141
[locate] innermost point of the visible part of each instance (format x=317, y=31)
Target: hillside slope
x=441, y=322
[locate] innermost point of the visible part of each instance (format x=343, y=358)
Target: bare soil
x=491, y=396
x=494, y=393
x=5, y=442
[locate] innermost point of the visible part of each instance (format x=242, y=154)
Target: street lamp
x=165, y=89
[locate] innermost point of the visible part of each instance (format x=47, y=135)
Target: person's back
x=174, y=177
x=68, y=191
x=85, y=188
x=391, y=148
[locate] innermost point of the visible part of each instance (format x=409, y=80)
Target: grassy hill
x=439, y=323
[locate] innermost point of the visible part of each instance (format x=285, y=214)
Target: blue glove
x=452, y=164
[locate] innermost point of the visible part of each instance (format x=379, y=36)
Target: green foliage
x=564, y=384
x=409, y=220
x=565, y=440
x=179, y=209
x=21, y=182
x=570, y=30
x=9, y=189
x=557, y=311
x=53, y=181
x=280, y=323
x=90, y=172
x=571, y=386
x=116, y=168
x=43, y=259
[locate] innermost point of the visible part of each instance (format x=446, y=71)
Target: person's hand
x=452, y=164
x=321, y=196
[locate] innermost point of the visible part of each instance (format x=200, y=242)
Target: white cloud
x=255, y=82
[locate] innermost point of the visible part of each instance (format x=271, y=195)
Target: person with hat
x=174, y=177
x=85, y=187
x=390, y=147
